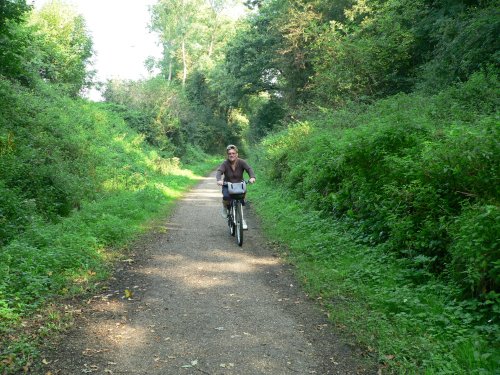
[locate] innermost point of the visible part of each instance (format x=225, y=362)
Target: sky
x=122, y=41
x=120, y=35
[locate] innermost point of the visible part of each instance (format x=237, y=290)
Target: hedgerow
x=418, y=174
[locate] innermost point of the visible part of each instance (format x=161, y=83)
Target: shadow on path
x=201, y=304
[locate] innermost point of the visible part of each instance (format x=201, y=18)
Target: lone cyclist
x=232, y=168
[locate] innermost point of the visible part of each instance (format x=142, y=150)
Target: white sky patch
x=120, y=35
x=119, y=30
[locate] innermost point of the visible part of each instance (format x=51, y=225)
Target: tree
x=270, y=53
x=250, y=58
x=464, y=39
x=192, y=33
x=65, y=46
x=14, y=40
x=253, y=4
x=11, y=10
x=182, y=29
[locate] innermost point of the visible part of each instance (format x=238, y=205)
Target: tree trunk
x=212, y=37
x=211, y=46
x=184, y=63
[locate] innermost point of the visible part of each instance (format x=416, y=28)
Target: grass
x=410, y=325
x=70, y=258
x=77, y=185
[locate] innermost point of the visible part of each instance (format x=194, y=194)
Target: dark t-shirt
x=236, y=175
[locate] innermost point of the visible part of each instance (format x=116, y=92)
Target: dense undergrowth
x=391, y=214
x=76, y=185
x=389, y=206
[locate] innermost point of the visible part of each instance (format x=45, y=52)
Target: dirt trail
x=203, y=305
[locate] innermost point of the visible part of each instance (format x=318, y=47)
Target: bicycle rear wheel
x=239, y=223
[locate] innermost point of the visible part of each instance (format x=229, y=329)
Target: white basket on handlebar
x=237, y=188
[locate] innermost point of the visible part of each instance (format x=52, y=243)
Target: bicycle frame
x=235, y=218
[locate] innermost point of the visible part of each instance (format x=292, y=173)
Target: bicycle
x=235, y=215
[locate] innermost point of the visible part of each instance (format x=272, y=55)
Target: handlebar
x=245, y=181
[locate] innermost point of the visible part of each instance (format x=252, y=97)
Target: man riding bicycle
x=232, y=168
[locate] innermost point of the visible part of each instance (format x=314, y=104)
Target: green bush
x=50, y=163
x=74, y=179
x=403, y=173
x=412, y=321
x=475, y=254
x=15, y=213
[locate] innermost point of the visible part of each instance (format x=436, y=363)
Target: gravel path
x=202, y=305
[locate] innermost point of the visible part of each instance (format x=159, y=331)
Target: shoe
x=245, y=226
x=224, y=212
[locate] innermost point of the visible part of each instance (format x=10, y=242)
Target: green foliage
x=191, y=32
x=52, y=44
x=249, y=58
x=210, y=124
x=182, y=31
x=14, y=213
x=64, y=47
x=342, y=51
x=251, y=4
x=264, y=115
x=15, y=44
x=269, y=53
x=76, y=185
x=303, y=53
x=12, y=10
x=371, y=54
x=154, y=108
x=475, y=254
x=465, y=38
x=397, y=229
x=409, y=320
x=40, y=162
x=404, y=175
x=172, y=117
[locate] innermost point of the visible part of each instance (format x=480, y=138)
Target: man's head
x=232, y=152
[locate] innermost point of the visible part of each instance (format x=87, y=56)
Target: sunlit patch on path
x=192, y=301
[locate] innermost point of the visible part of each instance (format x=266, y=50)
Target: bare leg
x=244, y=222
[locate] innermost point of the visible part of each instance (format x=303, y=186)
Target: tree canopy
x=52, y=44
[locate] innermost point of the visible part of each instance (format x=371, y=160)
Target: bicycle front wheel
x=239, y=223
x=231, y=222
